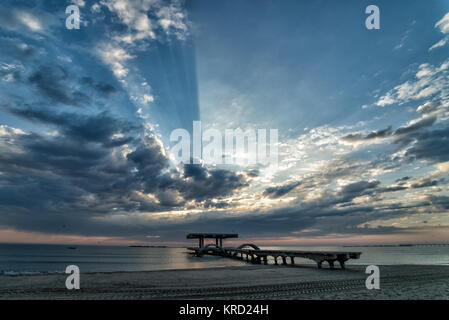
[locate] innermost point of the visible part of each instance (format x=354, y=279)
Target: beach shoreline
x=245, y=282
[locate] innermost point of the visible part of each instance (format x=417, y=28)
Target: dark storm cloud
x=403, y=179
x=402, y=135
x=279, y=191
x=427, y=182
x=416, y=126
x=424, y=138
x=66, y=184
x=430, y=145
x=201, y=184
x=353, y=137
x=96, y=128
x=53, y=82
x=442, y=202
x=359, y=187
x=105, y=89
x=81, y=174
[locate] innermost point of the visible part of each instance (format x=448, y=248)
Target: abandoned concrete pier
x=252, y=253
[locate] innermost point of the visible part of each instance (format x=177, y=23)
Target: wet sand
x=245, y=282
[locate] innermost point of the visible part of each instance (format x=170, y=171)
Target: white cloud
x=95, y=8
x=443, y=25
x=115, y=57
x=439, y=44
x=147, y=98
x=429, y=81
x=79, y=3
x=386, y=100
x=168, y=16
x=429, y=107
x=172, y=18
x=30, y=21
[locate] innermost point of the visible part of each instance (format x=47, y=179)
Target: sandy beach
x=246, y=282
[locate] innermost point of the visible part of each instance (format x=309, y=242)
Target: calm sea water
x=29, y=259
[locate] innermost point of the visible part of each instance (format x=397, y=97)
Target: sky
x=86, y=117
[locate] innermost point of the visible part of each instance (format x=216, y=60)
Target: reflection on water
x=19, y=258
x=55, y=258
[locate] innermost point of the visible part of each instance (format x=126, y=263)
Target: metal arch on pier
x=248, y=245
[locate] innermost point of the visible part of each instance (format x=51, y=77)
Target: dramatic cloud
x=431, y=145
x=51, y=82
x=85, y=113
x=279, y=191
x=372, y=135
x=85, y=171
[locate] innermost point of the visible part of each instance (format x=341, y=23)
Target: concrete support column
x=342, y=264
x=292, y=260
x=265, y=260
x=331, y=264
x=284, y=260
x=275, y=260
x=320, y=263
x=201, y=242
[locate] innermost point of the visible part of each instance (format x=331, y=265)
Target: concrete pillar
x=221, y=242
x=275, y=260
x=216, y=242
x=247, y=257
x=331, y=264
x=292, y=260
x=342, y=264
x=319, y=264
x=284, y=260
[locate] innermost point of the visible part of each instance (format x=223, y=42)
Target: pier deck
x=252, y=253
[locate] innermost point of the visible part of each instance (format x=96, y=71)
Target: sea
x=17, y=259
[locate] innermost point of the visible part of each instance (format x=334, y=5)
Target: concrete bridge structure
x=252, y=253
